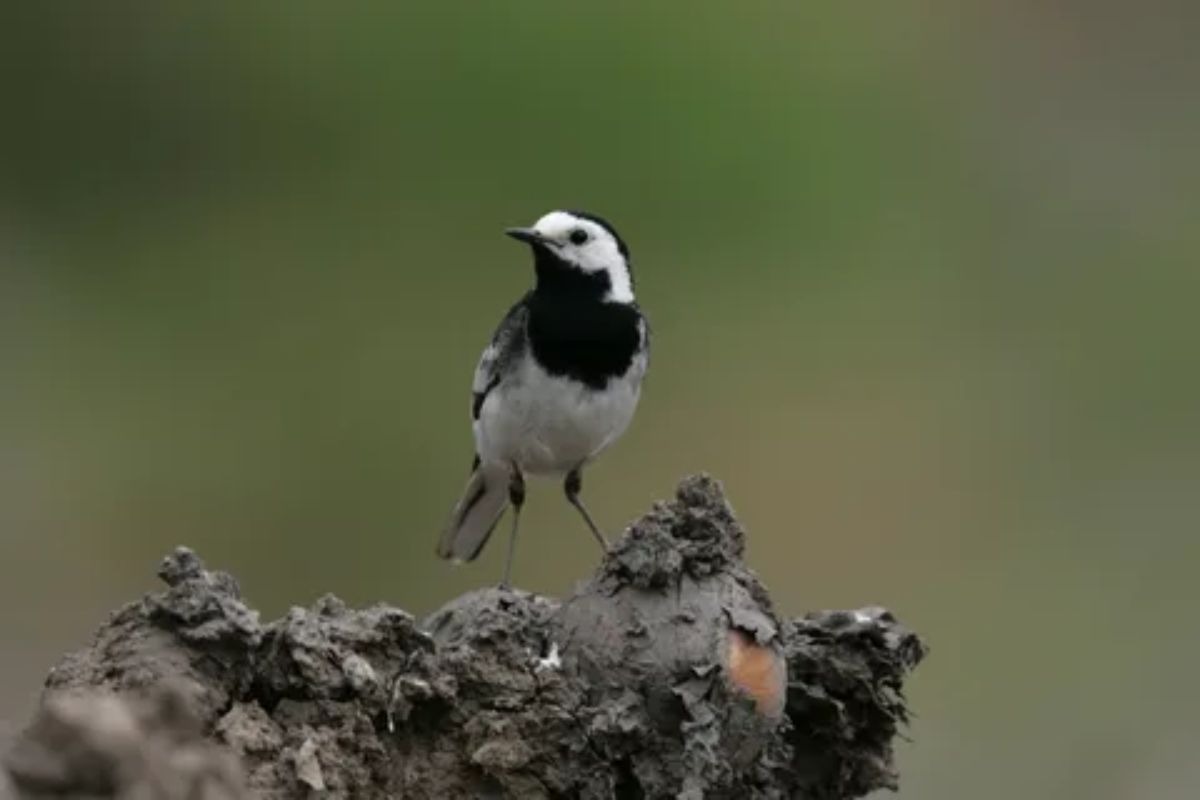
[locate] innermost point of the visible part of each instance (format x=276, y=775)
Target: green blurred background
x=923, y=280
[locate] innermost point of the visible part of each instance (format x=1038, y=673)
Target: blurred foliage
x=922, y=279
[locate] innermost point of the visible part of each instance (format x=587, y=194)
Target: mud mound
x=668, y=674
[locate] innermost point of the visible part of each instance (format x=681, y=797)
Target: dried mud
x=667, y=674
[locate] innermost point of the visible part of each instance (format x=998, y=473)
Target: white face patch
x=598, y=252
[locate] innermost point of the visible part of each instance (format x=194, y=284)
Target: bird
x=557, y=384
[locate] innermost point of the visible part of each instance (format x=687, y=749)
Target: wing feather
x=508, y=343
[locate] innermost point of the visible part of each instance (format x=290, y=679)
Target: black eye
x=578, y=236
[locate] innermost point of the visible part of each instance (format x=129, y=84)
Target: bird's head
x=580, y=251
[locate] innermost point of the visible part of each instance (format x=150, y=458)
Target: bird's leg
x=572, y=485
x=516, y=496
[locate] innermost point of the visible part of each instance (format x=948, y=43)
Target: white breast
x=550, y=425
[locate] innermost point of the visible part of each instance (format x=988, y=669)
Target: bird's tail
x=476, y=513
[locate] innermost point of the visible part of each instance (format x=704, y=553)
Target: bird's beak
x=527, y=235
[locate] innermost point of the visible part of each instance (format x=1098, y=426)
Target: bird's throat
x=568, y=282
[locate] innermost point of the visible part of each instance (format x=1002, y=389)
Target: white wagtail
x=559, y=381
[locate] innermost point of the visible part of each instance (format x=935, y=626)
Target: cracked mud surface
x=668, y=674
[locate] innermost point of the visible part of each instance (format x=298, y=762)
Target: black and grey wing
x=644, y=338
x=508, y=344
x=483, y=501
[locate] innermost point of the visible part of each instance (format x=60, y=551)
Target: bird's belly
x=549, y=425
